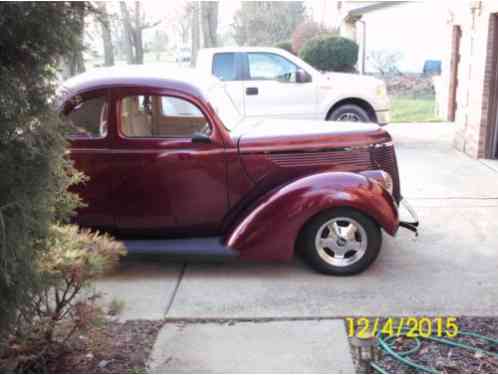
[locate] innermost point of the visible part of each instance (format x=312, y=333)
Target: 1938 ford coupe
x=173, y=168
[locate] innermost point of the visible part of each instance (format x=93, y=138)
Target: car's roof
x=187, y=80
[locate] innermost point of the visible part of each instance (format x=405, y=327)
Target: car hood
x=294, y=135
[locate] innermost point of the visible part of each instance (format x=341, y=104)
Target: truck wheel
x=341, y=242
x=349, y=112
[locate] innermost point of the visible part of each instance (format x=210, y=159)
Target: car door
x=165, y=181
x=86, y=117
x=271, y=88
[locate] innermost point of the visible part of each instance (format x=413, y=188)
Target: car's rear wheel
x=341, y=242
x=349, y=112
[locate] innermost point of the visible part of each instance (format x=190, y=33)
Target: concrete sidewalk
x=146, y=287
x=278, y=346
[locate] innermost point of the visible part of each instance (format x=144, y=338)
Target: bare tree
x=159, y=43
x=196, y=37
x=137, y=35
x=73, y=62
x=209, y=17
x=134, y=24
x=128, y=33
x=267, y=22
x=384, y=61
x=185, y=22
x=105, y=26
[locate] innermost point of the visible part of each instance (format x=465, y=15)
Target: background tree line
x=127, y=33
x=121, y=29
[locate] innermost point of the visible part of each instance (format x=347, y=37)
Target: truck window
x=224, y=66
x=269, y=66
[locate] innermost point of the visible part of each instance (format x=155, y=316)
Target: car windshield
x=224, y=107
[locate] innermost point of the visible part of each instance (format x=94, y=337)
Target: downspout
x=475, y=6
x=363, y=45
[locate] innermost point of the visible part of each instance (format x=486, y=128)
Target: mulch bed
x=113, y=347
x=446, y=359
x=409, y=85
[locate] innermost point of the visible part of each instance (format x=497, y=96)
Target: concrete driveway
x=450, y=269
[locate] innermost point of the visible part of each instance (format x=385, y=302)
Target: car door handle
x=252, y=91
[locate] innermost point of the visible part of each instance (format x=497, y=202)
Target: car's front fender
x=270, y=229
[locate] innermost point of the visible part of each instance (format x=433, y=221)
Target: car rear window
x=88, y=119
x=224, y=66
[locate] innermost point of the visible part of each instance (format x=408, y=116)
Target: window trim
x=248, y=67
x=119, y=108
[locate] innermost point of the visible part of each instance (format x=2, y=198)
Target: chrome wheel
x=349, y=116
x=341, y=241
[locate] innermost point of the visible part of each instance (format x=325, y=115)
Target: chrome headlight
x=387, y=181
x=381, y=177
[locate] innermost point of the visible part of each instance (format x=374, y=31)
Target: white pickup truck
x=270, y=82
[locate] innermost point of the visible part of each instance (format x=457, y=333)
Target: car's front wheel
x=349, y=112
x=341, y=242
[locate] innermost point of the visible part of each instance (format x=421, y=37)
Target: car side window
x=88, y=118
x=151, y=116
x=224, y=67
x=269, y=66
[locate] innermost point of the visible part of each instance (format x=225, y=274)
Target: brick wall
x=490, y=95
x=476, y=78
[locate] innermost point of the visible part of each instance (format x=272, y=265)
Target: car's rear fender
x=270, y=228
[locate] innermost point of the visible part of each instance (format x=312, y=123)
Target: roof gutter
x=355, y=14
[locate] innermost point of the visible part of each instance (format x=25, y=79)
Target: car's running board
x=191, y=246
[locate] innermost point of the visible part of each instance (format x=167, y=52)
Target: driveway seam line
x=175, y=291
x=487, y=166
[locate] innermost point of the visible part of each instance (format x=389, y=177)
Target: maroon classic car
x=173, y=168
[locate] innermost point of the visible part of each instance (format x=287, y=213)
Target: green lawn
x=411, y=109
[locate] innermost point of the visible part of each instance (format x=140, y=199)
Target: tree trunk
x=185, y=22
x=209, y=16
x=184, y=32
x=77, y=64
x=105, y=26
x=138, y=42
x=139, y=49
x=128, y=33
x=195, y=32
x=133, y=33
x=74, y=60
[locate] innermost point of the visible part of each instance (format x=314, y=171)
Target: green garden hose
x=387, y=345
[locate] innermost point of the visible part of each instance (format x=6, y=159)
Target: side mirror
x=302, y=76
x=199, y=137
